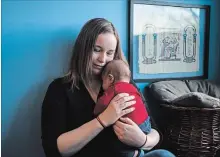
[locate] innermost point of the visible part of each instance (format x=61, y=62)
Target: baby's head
x=115, y=71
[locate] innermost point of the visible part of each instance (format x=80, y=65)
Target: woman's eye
x=110, y=53
x=97, y=50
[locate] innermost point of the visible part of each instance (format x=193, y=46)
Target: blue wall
x=37, y=37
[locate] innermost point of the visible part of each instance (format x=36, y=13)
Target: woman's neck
x=96, y=78
x=95, y=84
x=94, y=88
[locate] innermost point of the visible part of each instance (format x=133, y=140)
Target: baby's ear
x=111, y=78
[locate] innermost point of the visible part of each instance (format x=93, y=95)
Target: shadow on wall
x=23, y=137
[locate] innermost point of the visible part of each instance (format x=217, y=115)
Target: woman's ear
x=111, y=78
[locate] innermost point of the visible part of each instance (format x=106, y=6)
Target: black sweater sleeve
x=53, y=118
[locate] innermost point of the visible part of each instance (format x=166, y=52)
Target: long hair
x=80, y=68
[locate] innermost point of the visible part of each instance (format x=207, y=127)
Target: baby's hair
x=119, y=69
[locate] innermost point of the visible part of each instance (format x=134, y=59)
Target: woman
x=69, y=127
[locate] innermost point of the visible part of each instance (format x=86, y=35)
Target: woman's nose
x=102, y=57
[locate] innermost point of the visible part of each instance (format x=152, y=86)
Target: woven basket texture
x=192, y=132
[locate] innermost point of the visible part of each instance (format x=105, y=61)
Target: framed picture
x=168, y=40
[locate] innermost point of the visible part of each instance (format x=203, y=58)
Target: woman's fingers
x=125, y=99
x=116, y=128
x=127, y=104
x=127, y=120
x=119, y=106
x=118, y=132
x=124, y=103
x=126, y=111
x=119, y=96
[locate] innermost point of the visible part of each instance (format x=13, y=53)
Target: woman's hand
x=129, y=133
x=117, y=108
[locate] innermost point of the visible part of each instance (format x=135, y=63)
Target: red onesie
x=139, y=115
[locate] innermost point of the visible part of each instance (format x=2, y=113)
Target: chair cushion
x=197, y=99
x=166, y=91
x=204, y=86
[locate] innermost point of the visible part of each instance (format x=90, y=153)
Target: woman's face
x=103, y=52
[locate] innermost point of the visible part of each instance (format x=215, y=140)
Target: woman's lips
x=98, y=66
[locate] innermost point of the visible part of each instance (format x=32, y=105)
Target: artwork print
x=168, y=41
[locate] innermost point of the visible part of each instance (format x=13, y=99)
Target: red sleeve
x=104, y=100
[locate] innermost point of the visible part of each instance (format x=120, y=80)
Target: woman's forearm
x=152, y=139
x=71, y=142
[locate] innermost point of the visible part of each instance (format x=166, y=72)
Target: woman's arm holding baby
x=129, y=133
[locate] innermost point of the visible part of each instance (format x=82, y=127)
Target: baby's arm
x=99, y=108
x=103, y=101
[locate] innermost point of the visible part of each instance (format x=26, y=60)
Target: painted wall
x=36, y=40
x=37, y=37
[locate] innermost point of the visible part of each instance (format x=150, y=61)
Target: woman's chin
x=96, y=72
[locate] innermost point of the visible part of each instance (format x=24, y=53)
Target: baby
x=116, y=79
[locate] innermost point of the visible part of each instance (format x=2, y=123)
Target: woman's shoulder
x=60, y=83
x=58, y=87
x=60, y=90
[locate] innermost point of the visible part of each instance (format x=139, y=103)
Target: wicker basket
x=192, y=132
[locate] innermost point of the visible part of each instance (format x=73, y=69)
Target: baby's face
x=106, y=82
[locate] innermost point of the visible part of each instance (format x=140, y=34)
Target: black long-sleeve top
x=63, y=110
